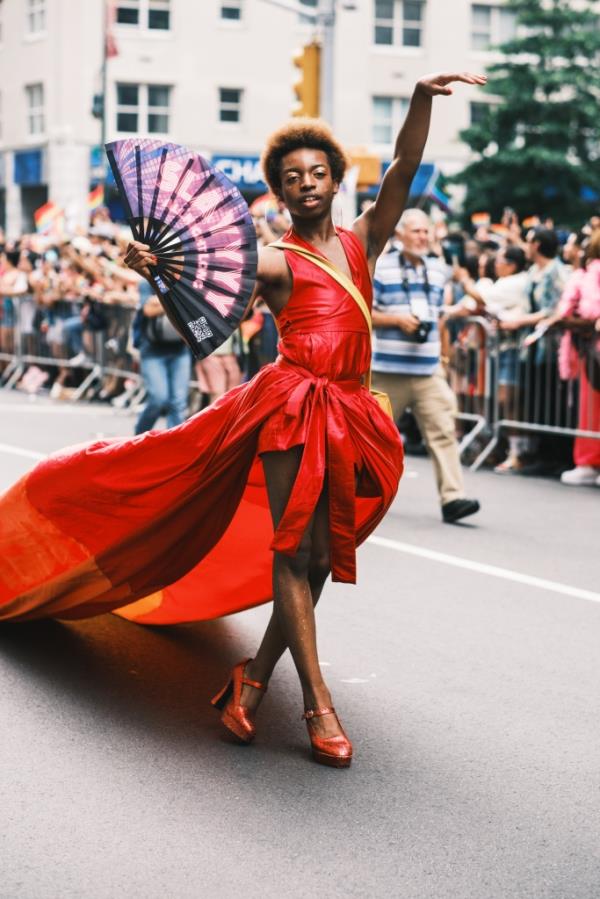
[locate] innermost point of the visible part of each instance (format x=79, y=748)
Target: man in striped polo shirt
x=408, y=299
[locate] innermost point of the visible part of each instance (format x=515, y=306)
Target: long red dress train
x=174, y=525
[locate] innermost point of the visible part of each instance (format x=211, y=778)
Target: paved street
x=470, y=692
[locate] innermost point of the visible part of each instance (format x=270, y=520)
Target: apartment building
x=216, y=75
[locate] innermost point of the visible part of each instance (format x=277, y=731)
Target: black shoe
x=459, y=508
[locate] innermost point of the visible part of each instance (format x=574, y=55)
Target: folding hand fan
x=198, y=226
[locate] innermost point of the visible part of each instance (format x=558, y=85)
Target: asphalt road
x=470, y=693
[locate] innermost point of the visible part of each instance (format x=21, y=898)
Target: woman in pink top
x=581, y=301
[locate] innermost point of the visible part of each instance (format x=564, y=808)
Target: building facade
x=215, y=75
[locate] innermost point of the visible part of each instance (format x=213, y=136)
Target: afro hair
x=299, y=134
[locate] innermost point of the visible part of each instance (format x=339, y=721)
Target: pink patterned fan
x=198, y=226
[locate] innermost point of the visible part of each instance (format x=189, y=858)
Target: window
x=411, y=23
x=399, y=22
x=230, y=104
x=231, y=10
x=128, y=99
x=36, y=16
x=128, y=13
x=479, y=113
x=388, y=115
x=143, y=108
x=155, y=15
x=491, y=25
x=384, y=21
x=35, y=109
x=311, y=4
x=158, y=109
x=159, y=15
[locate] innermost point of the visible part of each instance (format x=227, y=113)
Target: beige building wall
x=199, y=54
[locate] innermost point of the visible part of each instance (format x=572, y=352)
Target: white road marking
x=53, y=409
x=482, y=568
x=354, y=680
x=19, y=451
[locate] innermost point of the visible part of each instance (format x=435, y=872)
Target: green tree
x=537, y=147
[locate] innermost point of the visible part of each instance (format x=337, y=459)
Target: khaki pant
x=434, y=406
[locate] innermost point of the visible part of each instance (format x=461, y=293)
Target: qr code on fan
x=200, y=329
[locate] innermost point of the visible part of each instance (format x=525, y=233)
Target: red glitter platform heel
x=235, y=716
x=333, y=751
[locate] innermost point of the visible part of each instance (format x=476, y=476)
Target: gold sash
x=351, y=288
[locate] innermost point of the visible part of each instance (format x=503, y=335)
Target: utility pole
x=104, y=80
x=99, y=100
x=326, y=20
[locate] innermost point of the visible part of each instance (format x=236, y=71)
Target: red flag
x=110, y=44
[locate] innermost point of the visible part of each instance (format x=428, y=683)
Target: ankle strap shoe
x=236, y=717
x=333, y=751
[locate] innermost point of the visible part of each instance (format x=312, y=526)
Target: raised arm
x=375, y=226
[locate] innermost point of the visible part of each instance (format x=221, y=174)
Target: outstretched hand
x=436, y=85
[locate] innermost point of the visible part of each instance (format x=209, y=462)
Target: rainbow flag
x=49, y=219
x=438, y=196
x=481, y=219
x=266, y=206
x=96, y=198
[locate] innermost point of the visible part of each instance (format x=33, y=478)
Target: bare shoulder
x=272, y=267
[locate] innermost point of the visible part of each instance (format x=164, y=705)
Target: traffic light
x=306, y=87
x=98, y=106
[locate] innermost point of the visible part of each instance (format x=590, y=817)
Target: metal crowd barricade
x=471, y=375
x=114, y=353
x=529, y=395
x=39, y=336
x=501, y=385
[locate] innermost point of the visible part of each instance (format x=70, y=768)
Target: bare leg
x=272, y=647
x=297, y=585
x=282, y=469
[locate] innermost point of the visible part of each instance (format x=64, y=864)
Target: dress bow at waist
x=327, y=447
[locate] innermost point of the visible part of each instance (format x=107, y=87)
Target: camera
x=422, y=332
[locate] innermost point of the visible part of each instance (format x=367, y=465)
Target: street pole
x=104, y=91
x=326, y=19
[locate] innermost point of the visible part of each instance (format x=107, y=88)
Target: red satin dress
x=174, y=526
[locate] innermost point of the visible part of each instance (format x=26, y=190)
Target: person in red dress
x=261, y=494
x=311, y=481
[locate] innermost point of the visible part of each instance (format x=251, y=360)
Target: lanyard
x=404, y=265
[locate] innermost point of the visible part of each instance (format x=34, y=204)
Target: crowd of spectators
x=68, y=305
x=67, y=300
x=539, y=287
